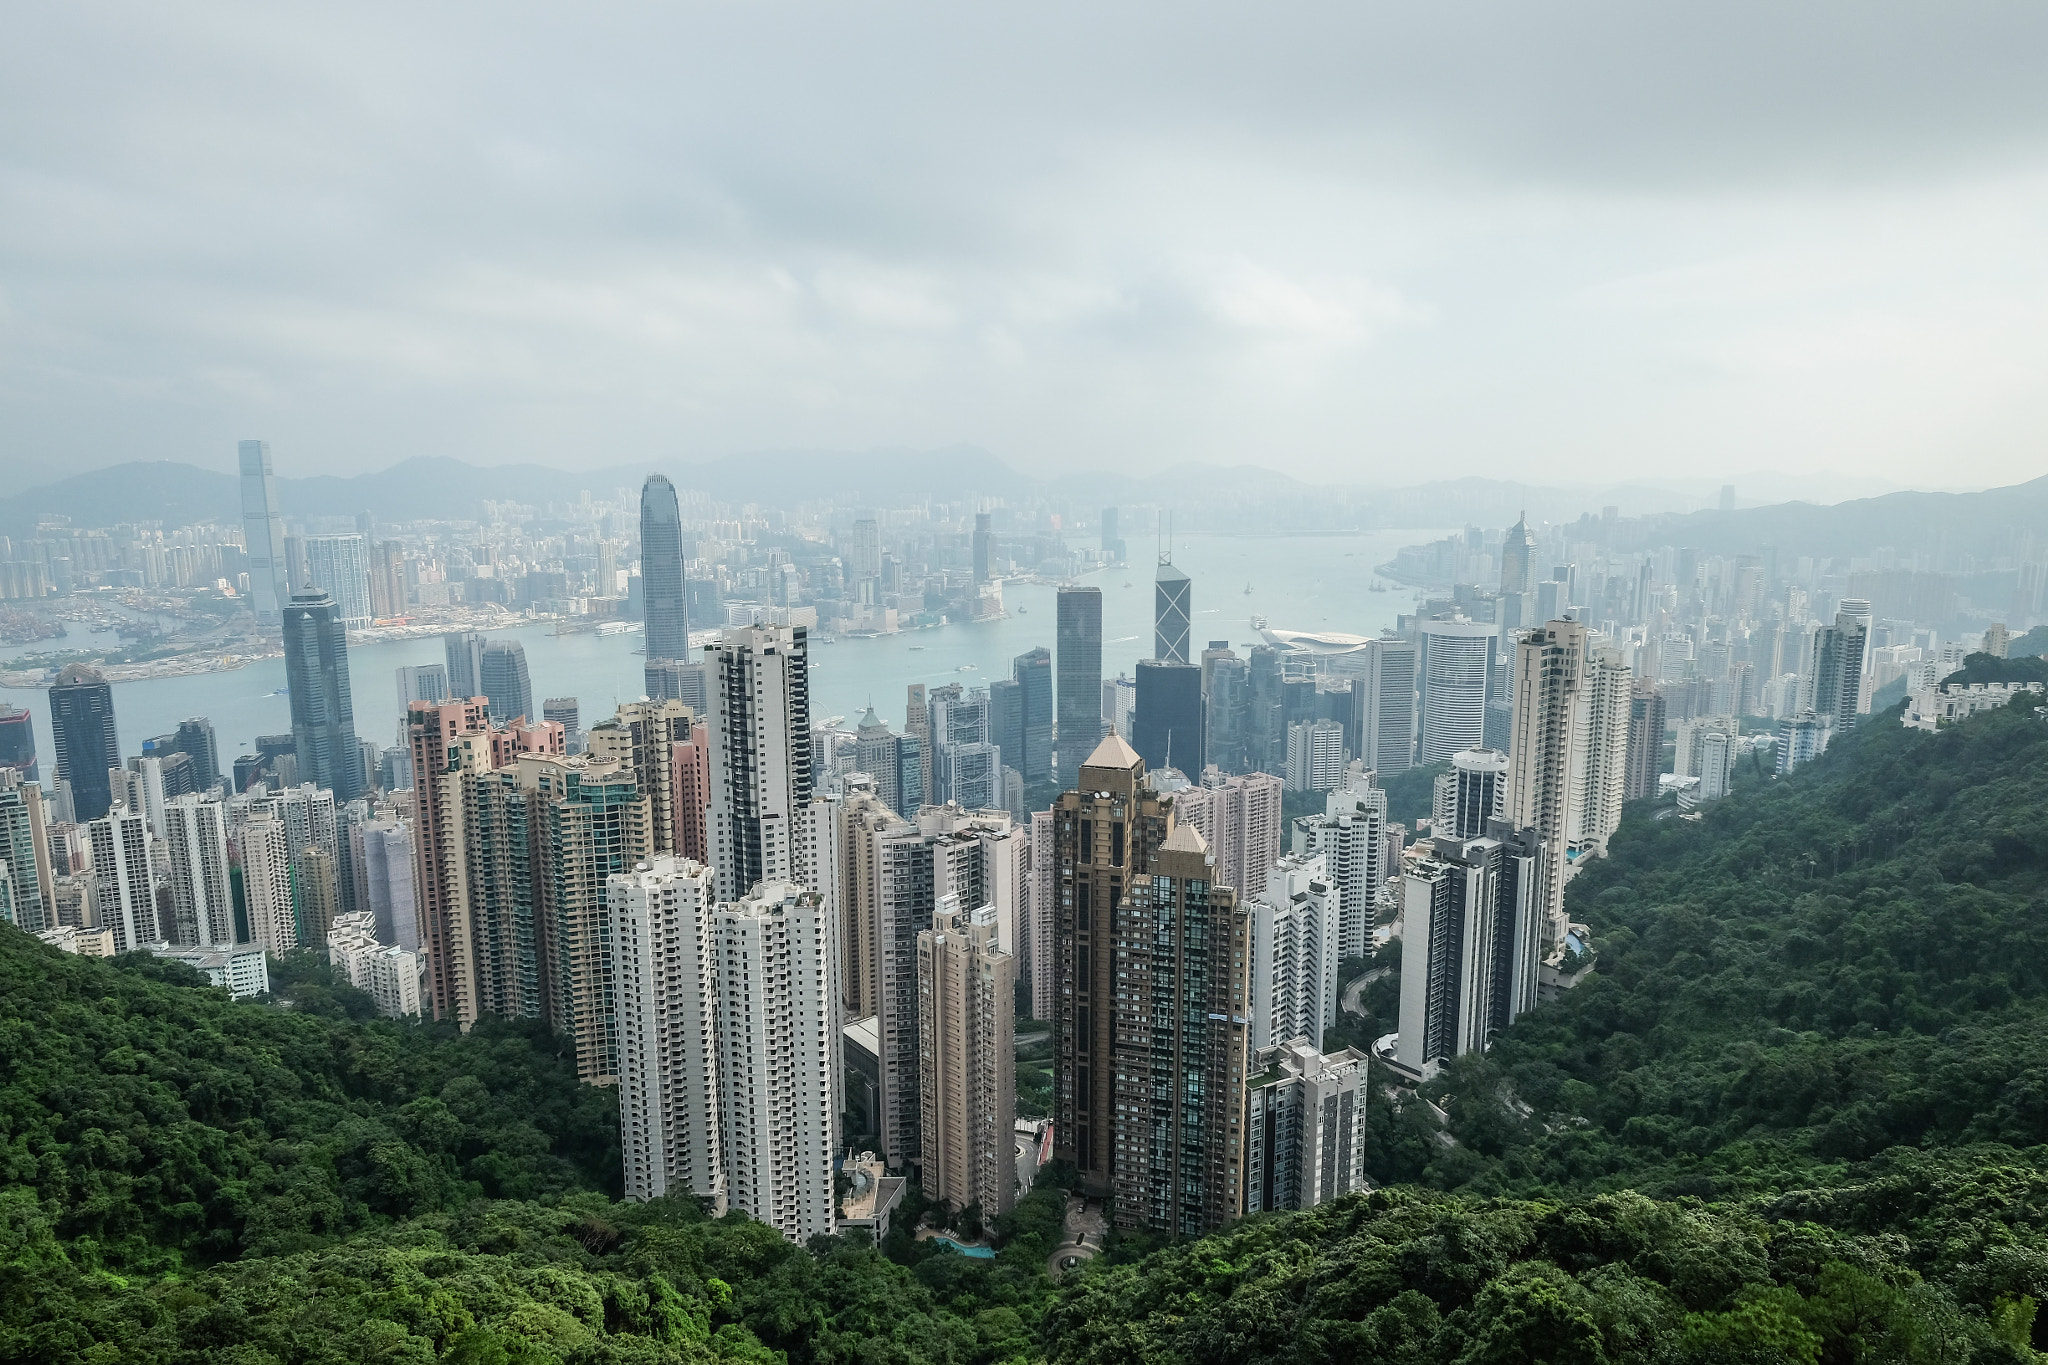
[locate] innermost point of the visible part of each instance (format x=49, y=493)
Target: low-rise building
x=1928, y=708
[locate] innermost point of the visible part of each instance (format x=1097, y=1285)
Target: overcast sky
x=1554, y=242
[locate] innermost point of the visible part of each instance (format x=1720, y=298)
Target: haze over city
x=1354, y=243
x=775, y=684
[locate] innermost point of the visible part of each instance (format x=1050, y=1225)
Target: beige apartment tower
x=967, y=1059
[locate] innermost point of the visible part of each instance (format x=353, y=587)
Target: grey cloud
x=1342, y=238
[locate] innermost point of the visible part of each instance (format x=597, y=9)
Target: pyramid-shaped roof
x=1185, y=839
x=1113, y=753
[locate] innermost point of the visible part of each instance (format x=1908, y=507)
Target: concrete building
x=967, y=1060
x=1239, y=819
x=976, y=856
x=27, y=876
x=665, y=989
x=1295, y=952
x=1350, y=837
x=1041, y=946
x=1569, y=754
x=391, y=975
x=267, y=878
x=196, y=848
x=1305, y=1126
x=1472, y=793
x=760, y=728
x=339, y=565
x=1315, y=756
x=1473, y=915
x=422, y=682
x=642, y=737
x=382, y=853
x=464, y=651
x=240, y=969
x=1929, y=708
x=1384, y=695
x=1644, y=761
x=779, y=1041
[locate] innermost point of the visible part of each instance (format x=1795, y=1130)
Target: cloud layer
x=1583, y=241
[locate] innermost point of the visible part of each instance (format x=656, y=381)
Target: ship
x=1247, y=590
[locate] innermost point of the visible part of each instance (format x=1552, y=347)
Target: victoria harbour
x=1299, y=582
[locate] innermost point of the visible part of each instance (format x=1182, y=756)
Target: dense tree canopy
x=1799, y=1114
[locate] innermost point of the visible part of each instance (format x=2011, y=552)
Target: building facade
x=967, y=1060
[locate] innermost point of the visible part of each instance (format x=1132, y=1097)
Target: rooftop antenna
x=1166, y=540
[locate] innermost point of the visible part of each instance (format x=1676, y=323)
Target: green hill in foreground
x=1797, y=1115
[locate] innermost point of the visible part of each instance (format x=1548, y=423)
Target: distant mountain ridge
x=1207, y=497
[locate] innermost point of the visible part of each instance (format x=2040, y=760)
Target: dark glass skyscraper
x=195, y=737
x=1166, y=728
x=504, y=680
x=1033, y=673
x=661, y=571
x=323, y=715
x=82, y=719
x=1078, y=638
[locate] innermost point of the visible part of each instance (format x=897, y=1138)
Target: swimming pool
x=979, y=1253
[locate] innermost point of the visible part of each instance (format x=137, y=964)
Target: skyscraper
x=1518, y=558
x=27, y=880
x=779, y=1055
x=82, y=729
x=323, y=716
x=1384, y=697
x=502, y=675
x=1167, y=726
x=465, y=651
x=1033, y=672
x=1350, y=836
x=18, y=740
x=196, y=840
x=263, y=534
x=422, y=682
x=127, y=879
x=566, y=712
x=1569, y=751
x=267, y=884
x=917, y=724
x=760, y=753
x=1473, y=914
x=665, y=987
x=661, y=573
x=1149, y=1040
x=1645, y=759
x=642, y=736
x=1078, y=638
x=1457, y=662
x=967, y=1059
x=1295, y=951
x=1305, y=1120
x=916, y=864
x=1478, y=790
x=340, y=567
x=984, y=546
x=1239, y=819
x=1172, y=613
x=195, y=739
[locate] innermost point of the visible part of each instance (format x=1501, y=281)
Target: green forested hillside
x=1798, y=1114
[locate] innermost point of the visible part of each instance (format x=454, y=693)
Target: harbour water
x=1297, y=582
